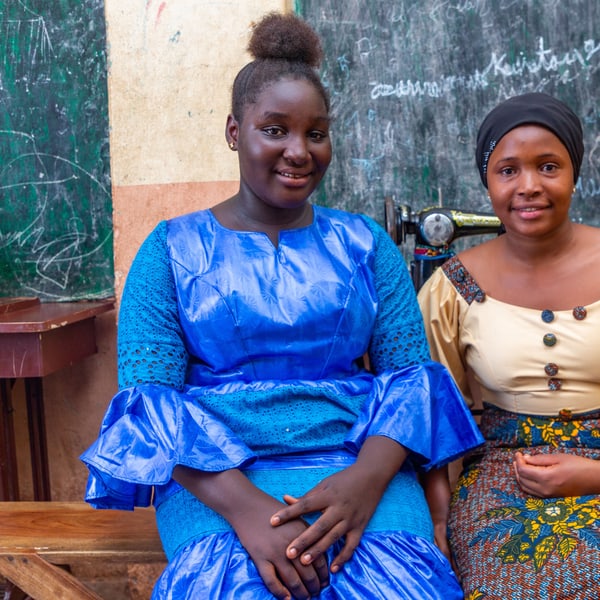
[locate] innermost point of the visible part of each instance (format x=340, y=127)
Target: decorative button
x=549, y=339
x=551, y=369
x=547, y=316
x=565, y=413
x=554, y=384
x=580, y=313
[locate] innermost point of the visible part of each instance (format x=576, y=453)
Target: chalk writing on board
x=411, y=80
x=55, y=204
x=547, y=63
x=26, y=30
x=52, y=258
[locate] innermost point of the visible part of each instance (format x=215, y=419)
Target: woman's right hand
x=285, y=578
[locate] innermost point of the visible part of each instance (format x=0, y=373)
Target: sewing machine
x=434, y=230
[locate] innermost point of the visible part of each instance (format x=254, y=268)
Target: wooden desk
x=37, y=536
x=36, y=339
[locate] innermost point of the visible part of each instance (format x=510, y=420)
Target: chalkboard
x=411, y=80
x=55, y=202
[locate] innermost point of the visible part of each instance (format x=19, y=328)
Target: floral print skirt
x=509, y=545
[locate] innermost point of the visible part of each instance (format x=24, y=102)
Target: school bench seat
x=37, y=537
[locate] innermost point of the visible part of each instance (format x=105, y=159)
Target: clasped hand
x=346, y=501
x=284, y=577
x=556, y=475
x=291, y=556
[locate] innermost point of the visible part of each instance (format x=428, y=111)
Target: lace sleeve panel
x=399, y=337
x=150, y=344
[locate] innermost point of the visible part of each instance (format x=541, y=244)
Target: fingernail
x=335, y=568
x=292, y=552
x=275, y=520
x=307, y=558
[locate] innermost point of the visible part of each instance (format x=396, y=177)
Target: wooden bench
x=35, y=537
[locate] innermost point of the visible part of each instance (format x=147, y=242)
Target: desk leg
x=9, y=479
x=37, y=438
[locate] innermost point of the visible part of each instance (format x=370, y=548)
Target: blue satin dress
x=272, y=338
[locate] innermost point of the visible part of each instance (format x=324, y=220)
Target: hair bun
x=285, y=36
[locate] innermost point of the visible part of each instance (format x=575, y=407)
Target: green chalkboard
x=411, y=80
x=55, y=202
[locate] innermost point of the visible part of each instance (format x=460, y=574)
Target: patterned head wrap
x=530, y=109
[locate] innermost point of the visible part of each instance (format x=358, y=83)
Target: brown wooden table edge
x=44, y=316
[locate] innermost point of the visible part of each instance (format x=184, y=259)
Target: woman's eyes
x=277, y=131
x=318, y=136
x=507, y=171
x=274, y=131
x=549, y=167
x=546, y=168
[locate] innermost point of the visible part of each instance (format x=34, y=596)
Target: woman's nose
x=529, y=182
x=296, y=149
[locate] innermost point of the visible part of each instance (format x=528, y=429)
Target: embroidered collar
x=463, y=282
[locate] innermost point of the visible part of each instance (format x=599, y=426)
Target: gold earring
x=232, y=145
x=574, y=188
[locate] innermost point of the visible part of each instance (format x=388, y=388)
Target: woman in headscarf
x=521, y=313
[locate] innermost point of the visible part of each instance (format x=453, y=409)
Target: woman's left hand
x=557, y=475
x=346, y=500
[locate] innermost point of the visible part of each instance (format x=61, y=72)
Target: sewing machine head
x=434, y=229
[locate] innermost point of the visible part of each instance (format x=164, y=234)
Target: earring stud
x=232, y=145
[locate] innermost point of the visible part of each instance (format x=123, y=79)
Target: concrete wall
x=171, y=66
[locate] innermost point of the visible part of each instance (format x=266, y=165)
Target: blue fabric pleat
x=146, y=432
x=392, y=566
x=421, y=408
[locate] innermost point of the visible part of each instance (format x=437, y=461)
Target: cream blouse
x=524, y=360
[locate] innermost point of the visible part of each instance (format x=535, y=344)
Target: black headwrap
x=536, y=109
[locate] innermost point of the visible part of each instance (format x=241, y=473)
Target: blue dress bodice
x=251, y=311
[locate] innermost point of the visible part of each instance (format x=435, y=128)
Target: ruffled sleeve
x=147, y=431
x=421, y=408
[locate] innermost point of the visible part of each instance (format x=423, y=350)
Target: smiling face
x=530, y=181
x=283, y=144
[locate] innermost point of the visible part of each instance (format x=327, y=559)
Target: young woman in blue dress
x=279, y=466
